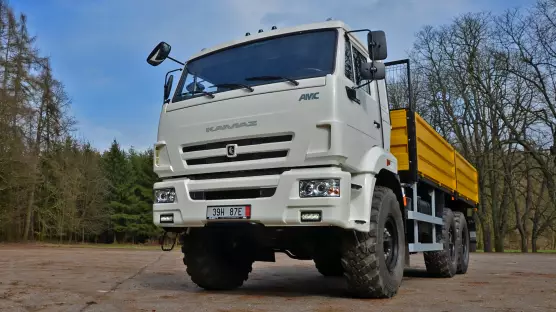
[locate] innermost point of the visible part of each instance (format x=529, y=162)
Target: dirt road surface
x=90, y=279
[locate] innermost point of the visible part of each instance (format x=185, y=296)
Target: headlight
x=166, y=195
x=319, y=188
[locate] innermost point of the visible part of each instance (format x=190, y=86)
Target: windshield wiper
x=232, y=85
x=269, y=78
x=209, y=94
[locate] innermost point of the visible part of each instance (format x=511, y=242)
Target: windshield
x=290, y=57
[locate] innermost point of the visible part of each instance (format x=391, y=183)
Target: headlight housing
x=319, y=188
x=165, y=195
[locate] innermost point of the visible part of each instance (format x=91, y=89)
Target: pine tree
x=118, y=172
x=144, y=181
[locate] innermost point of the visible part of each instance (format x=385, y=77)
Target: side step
x=420, y=217
x=419, y=247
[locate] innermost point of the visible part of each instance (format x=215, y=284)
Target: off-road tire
x=363, y=256
x=209, y=267
x=329, y=265
x=444, y=263
x=463, y=233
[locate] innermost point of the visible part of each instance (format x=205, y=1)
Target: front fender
x=377, y=159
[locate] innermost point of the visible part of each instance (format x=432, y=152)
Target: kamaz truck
x=284, y=141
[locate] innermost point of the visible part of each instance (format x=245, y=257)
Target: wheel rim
x=390, y=243
x=452, y=243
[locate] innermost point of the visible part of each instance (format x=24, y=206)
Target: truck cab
x=255, y=121
x=280, y=142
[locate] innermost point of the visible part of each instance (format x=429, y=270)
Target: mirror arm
x=362, y=85
x=173, y=59
x=358, y=30
x=166, y=77
x=371, y=54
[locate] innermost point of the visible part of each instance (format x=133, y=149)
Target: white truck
x=284, y=141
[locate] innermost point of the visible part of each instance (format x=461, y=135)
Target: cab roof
x=275, y=32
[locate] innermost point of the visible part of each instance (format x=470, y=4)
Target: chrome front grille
x=240, y=142
x=240, y=157
x=246, y=149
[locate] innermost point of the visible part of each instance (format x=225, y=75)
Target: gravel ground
x=91, y=279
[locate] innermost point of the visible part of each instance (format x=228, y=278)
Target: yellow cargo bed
x=422, y=153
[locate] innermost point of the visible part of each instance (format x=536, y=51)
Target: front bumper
x=281, y=209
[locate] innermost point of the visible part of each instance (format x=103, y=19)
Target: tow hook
x=166, y=239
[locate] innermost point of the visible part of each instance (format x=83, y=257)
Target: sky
x=98, y=48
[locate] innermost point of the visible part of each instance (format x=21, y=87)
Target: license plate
x=229, y=212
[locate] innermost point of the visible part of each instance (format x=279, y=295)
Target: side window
x=353, y=60
x=348, y=61
x=359, y=60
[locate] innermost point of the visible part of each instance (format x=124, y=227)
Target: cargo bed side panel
x=467, y=179
x=435, y=156
x=398, y=139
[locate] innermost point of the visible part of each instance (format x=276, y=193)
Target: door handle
x=377, y=124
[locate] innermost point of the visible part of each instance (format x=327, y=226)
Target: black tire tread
x=211, y=271
x=461, y=226
x=329, y=266
x=438, y=262
x=360, y=260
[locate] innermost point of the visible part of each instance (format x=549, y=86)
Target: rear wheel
x=373, y=262
x=330, y=265
x=463, y=233
x=444, y=262
x=213, y=263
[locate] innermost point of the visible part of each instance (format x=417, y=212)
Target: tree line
x=54, y=187
x=486, y=82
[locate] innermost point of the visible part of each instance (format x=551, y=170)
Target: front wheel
x=374, y=262
x=329, y=265
x=213, y=263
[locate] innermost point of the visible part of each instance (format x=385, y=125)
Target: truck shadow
x=274, y=282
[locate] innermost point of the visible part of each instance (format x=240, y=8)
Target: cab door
x=364, y=107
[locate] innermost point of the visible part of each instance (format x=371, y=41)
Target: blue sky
x=98, y=48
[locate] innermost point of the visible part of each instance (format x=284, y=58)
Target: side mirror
x=168, y=87
x=376, y=41
x=159, y=54
x=373, y=71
